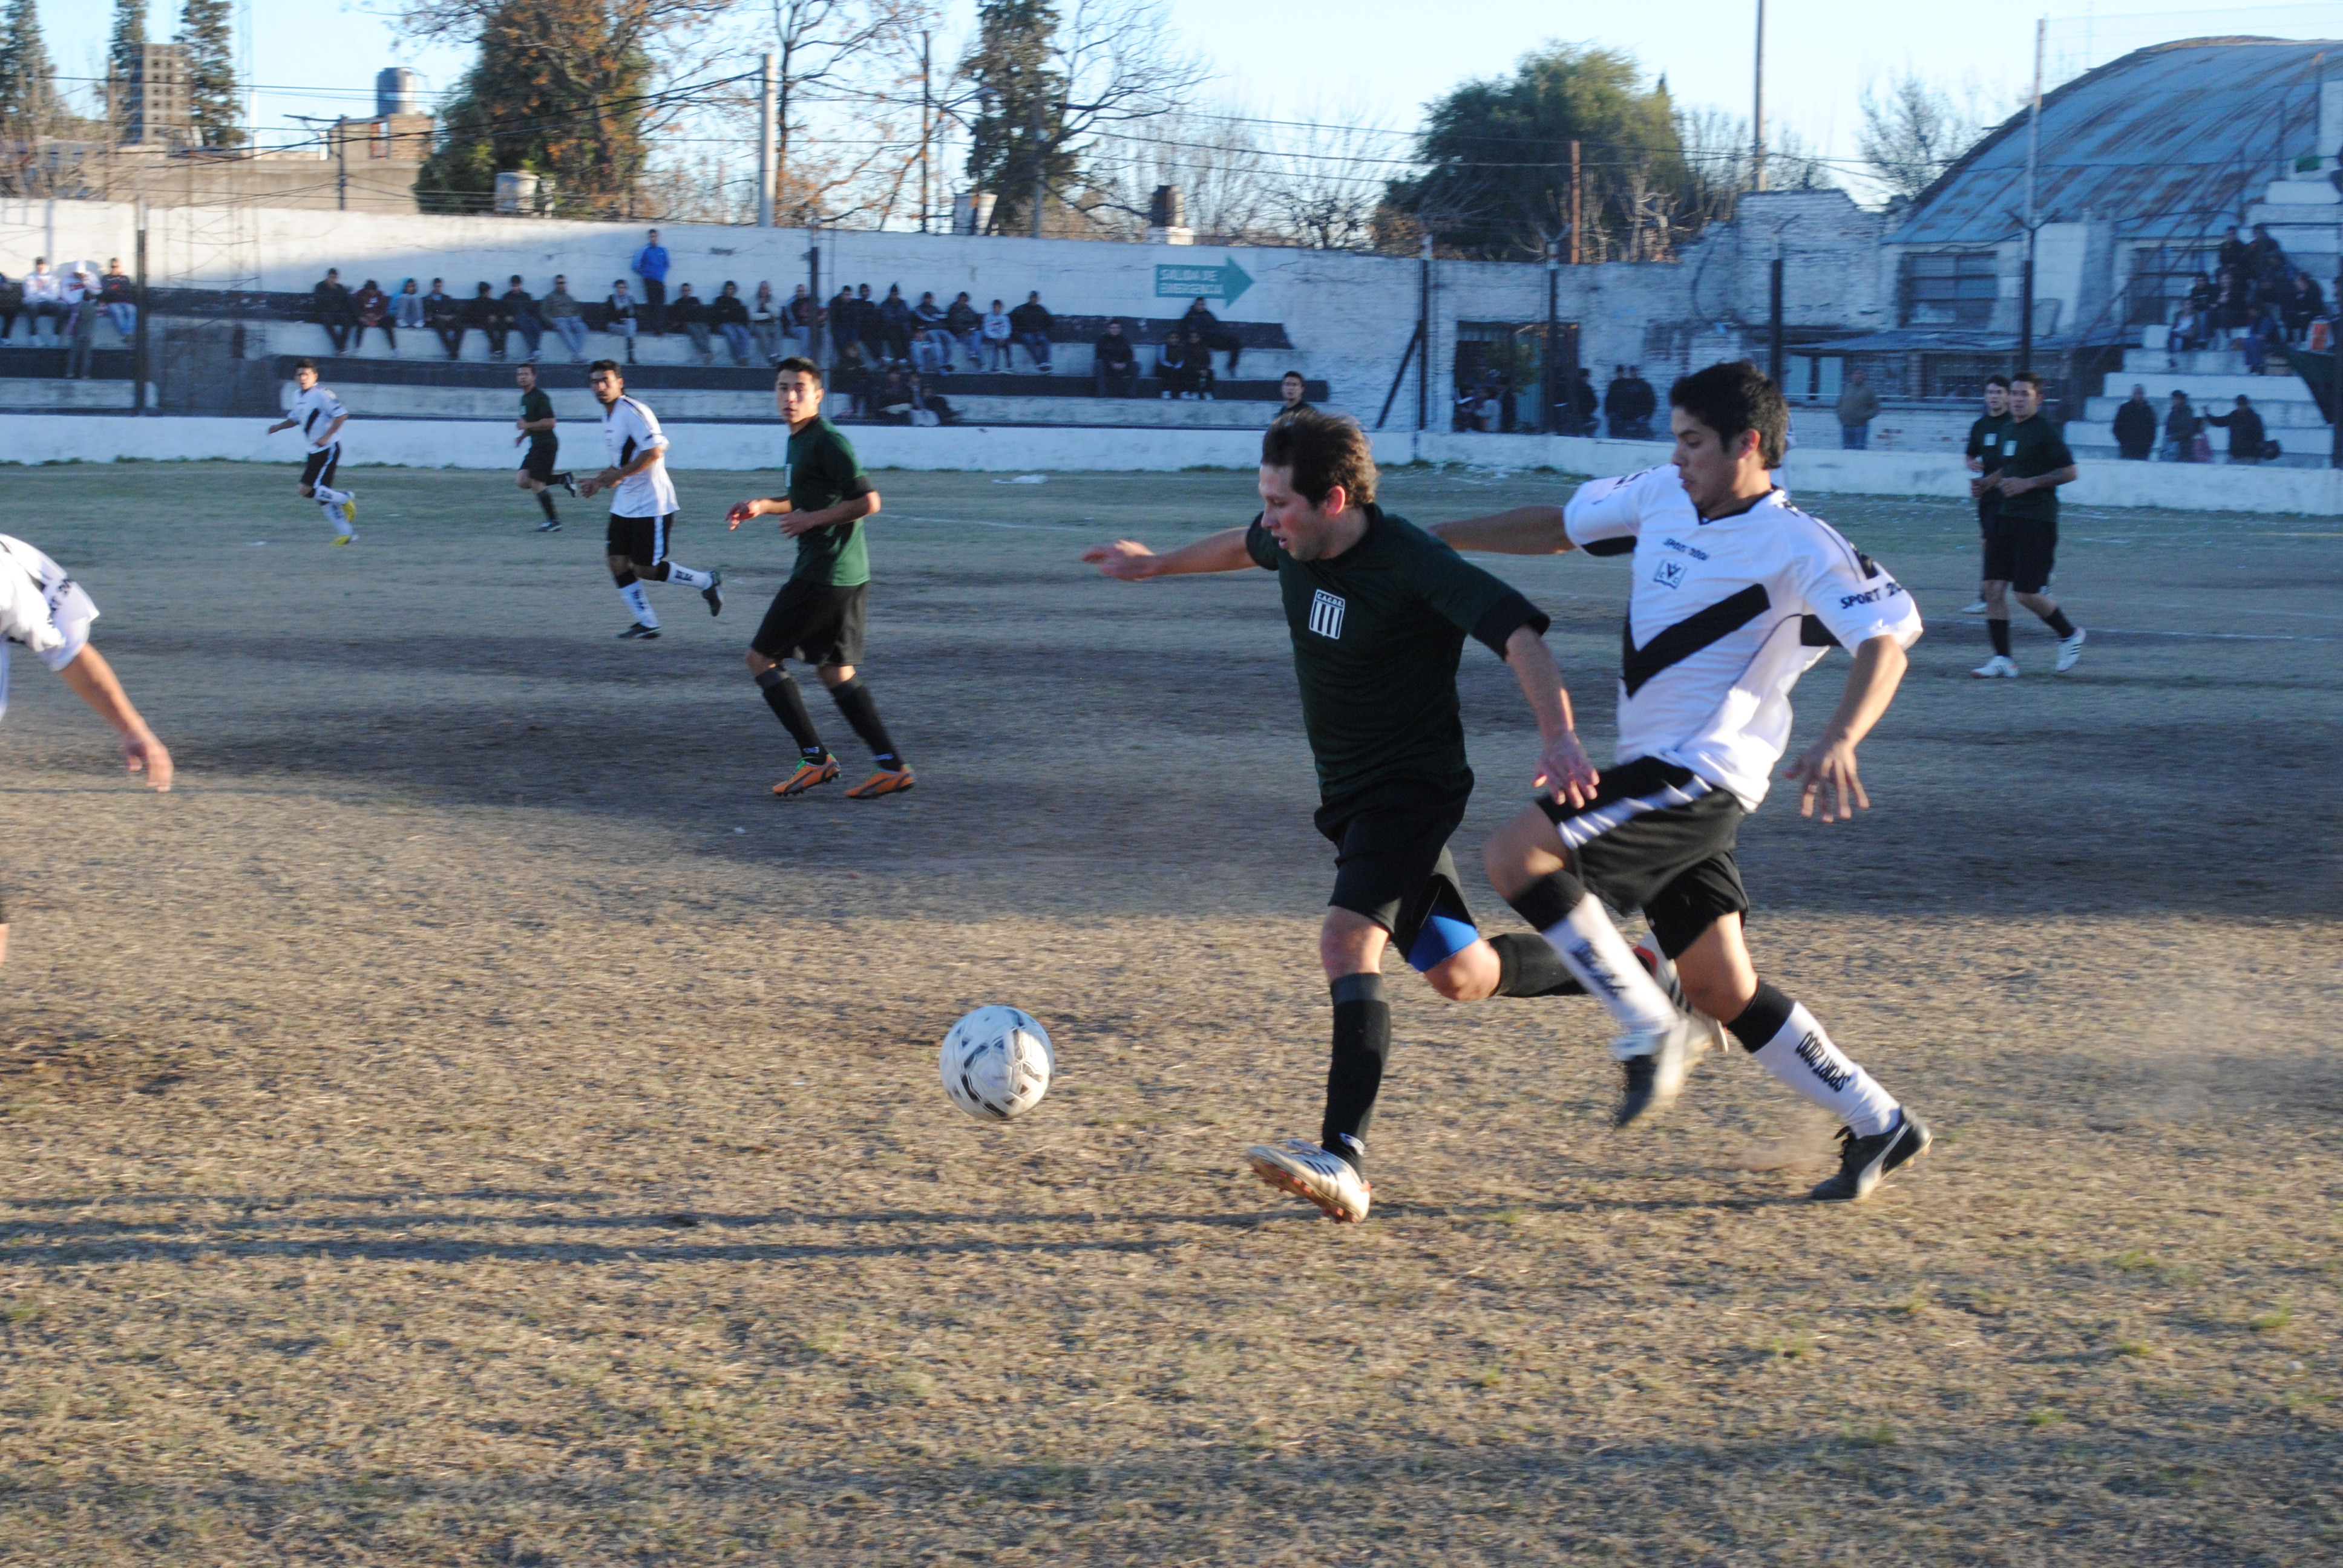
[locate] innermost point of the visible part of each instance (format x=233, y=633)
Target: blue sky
x=320, y=56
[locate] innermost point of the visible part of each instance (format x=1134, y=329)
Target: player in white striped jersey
x=642, y=504
x=319, y=416
x=1736, y=593
x=43, y=609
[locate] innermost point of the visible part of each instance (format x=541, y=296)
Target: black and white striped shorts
x=1659, y=838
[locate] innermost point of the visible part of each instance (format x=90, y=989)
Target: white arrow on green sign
x=1226, y=282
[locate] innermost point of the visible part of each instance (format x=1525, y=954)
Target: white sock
x=1801, y=1056
x=639, y=604
x=687, y=578
x=1595, y=952
x=334, y=515
x=331, y=497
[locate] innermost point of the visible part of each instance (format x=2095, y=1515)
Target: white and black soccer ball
x=997, y=1062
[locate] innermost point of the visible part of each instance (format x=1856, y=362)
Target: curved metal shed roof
x=2169, y=142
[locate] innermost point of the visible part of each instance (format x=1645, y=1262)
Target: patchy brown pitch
x=471, y=1121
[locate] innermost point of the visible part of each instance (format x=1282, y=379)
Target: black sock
x=655, y=573
x=563, y=477
x=1762, y=1020
x=1354, y=1076
x=1999, y=631
x=1527, y=965
x=2056, y=622
x=787, y=703
x=545, y=504
x=853, y=700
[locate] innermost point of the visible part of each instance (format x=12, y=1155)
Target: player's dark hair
x=1291, y=375
x=1735, y=396
x=601, y=365
x=304, y=364
x=1997, y=379
x=2029, y=378
x=1323, y=450
x=802, y=365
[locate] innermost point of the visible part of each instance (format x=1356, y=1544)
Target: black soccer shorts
x=319, y=469
x=1659, y=838
x=815, y=622
x=539, y=464
x=2022, y=552
x=642, y=540
x=1393, y=866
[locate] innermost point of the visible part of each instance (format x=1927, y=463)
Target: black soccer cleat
x=565, y=480
x=551, y=526
x=1863, y=1163
x=714, y=592
x=639, y=634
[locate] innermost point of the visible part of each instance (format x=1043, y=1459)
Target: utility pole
x=1040, y=165
x=1774, y=322
x=138, y=359
x=2033, y=214
x=1423, y=337
x=1573, y=204
x=926, y=128
x=768, y=94
x=1757, y=108
x=1553, y=330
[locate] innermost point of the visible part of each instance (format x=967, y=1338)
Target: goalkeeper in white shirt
x=1735, y=594
x=43, y=609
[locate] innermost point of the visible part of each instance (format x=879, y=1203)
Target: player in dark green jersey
x=819, y=615
x=2023, y=549
x=538, y=475
x=1984, y=456
x=1378, y=611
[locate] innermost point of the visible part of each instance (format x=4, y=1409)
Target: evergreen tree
x=124, y=49
x=558, y=91
x=28, y=80
x=205, y=29
x=1020, y=134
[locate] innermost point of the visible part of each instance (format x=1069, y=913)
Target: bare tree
x=831, y=50
x=1327, y=179
x=1113, y=62
x=1217, y=164
x=1912, y=131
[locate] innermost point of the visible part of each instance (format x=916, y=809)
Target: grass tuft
x=2045, y=1415
x=2271, y=1321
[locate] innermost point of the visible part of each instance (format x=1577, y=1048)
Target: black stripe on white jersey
x=1687, y=637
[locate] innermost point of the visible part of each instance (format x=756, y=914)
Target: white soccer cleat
x=2070, y=651
x=1310, y=1172
x=2000, y=667
x=1975, y=606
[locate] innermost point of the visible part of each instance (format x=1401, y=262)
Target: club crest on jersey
x=1671, y=574
x=1326, y=614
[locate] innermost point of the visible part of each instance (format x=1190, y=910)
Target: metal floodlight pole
x=1552, y=331
x=1423, y=337
x=138, y=361
x=1773, y=323
x=926, y=127
x=2033, y=214
x=1757, y=107
x=767, y=108
x=1573, y=204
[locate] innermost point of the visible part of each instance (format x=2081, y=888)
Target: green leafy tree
x=28, y=79
x=1017, y=139
x=125, y=49
x=208, y=31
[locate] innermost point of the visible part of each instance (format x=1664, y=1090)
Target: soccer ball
x=997, y=1063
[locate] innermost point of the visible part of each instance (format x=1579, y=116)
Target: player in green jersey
x=1984, y=456
x=819, y=615
x=537, y=474
x=2022, y=551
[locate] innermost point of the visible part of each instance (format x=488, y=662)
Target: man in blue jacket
x=650, y=265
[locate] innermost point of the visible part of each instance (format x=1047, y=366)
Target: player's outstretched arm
x=1827, y=768
x=1521, y=531
x=1130, y=561
x=92, y=680
x=1564, y=770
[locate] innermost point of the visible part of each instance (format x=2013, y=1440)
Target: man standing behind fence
x=650, y=265
x=1858, y=406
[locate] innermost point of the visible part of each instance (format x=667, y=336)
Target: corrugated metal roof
x=2169, y=142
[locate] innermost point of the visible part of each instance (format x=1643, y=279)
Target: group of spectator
x=2187, y=434
x=71, y=304
x=2254, y=297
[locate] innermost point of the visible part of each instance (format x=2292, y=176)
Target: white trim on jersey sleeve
x=1619, y=508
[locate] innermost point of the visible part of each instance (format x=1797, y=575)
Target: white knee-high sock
x=332, y=497
x=1598, y=956
x=334, y=515
x=639, y=604
x=688, y=577
x=1801, y=1056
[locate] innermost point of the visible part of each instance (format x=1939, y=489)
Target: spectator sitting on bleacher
x=329, y=307
x=728, y=313
x=2304, y=303
x=997, y=332
x=842, y=325
x=118, y=295
x=895, y=324
x=2195, y=327
x=2136, y=427
x=867, y=329
x=11, y=305
x=2244, y=427
x=373, y=308
x=2180, y=428
x=2265, y=257
x=967, y=326
x=689, y=312
x=567, y=317
x=485, y=313
x=622, y=314
x=1292, y=388
x=81, y=319
x=1185, y=366
x=44, y=300
x=444, y=314
x=406, y=306
x=766, y=323
x=520, y=309
x=931, y=346
x=892, y=401
x=928, y=408
x=1031, y=322
x=804, y=314
x=2236, y=294
x=2235, y=255
x=1114, y=365
x=1204, y=331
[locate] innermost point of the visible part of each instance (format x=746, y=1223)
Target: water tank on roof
x=972, y=212
x=516, y=192
x=397, y=91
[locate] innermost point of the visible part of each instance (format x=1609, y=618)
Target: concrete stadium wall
x=488, y=445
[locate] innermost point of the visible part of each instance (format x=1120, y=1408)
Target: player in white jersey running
x=319, y=416
x=43, y=609
x=1736, y=593
x=642, y=503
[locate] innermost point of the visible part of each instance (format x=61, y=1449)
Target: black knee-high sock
x=853, y=700
x=1999, y=631
x=545, y=503
x=1355, y=1075
x=2056, y=622
x=1527, y=965
x=787, y=703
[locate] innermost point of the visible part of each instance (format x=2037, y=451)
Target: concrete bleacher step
x=55, y=394
x=2193, y=362
x=2313, y=455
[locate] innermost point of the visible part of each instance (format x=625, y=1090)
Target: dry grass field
x=468, y=1121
